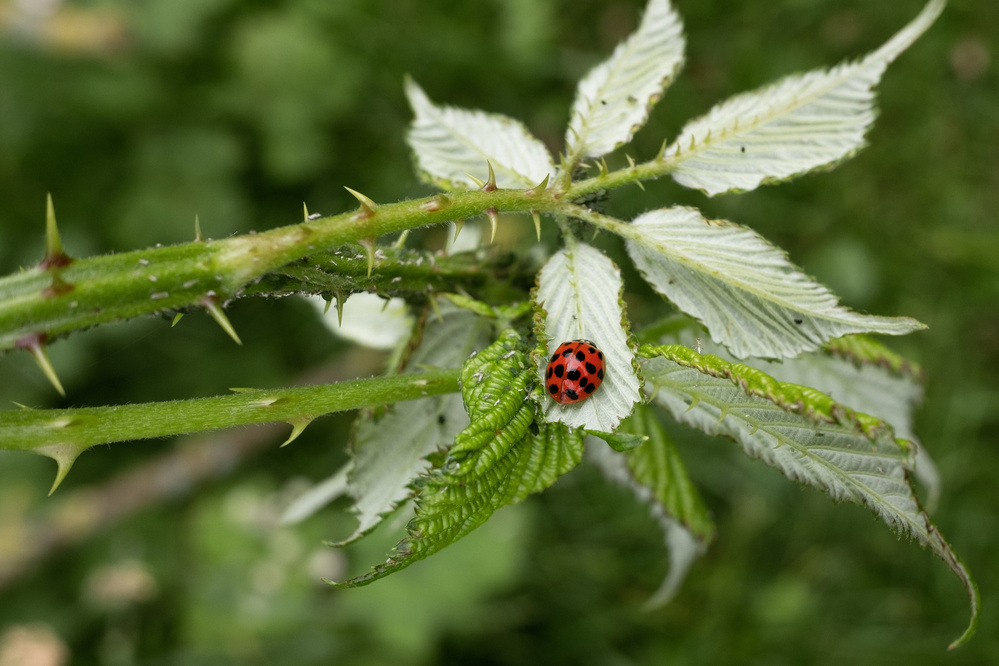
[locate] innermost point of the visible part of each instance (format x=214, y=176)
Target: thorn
x=596, y=232
x=63, y=466
x=478, y=181
x=490, y=184
x=35, y=344
x=340, y=298
x=24, y=408
x=640, y=184
x=211, y=304
x=329, y=302
x=197, y=230
x=662, y=152
x=493, y=221
x=436, y=308
x=458, y=224
x=297, y=426
x=602, y=167
x=631, y=161
x=176, y=319
x=55, y=257
x=537, y=223
x=369, y=246
x=539, y=188
x=367, y=205
x=401, y=240
x=305, y=209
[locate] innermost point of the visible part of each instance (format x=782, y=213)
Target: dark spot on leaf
x=799, y=321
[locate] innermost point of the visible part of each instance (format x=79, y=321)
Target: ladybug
x=574, y=371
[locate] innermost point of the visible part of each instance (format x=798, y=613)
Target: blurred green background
x=139, y=115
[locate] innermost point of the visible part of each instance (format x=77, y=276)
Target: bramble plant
x=472, y=427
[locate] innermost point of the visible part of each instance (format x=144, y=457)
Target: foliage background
x=139, y=115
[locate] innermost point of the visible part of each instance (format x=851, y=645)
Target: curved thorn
x=478, y=181
x=63, y=466
x=537, y=223
x=297, y=427
x=458, y=224
x=305, y=210
x=176, y=319
x=35, y=344
x=326, y=308
x=211, y=304
x=539, y=188
x=369, y=246
x=493, y=221
x=55, y=256
x=490, y=184
x=367, y=205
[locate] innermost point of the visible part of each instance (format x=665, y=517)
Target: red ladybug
x=575, y=371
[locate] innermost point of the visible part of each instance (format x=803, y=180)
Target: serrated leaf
x=806, y=435
x=390, y=450
x=580, y=291
x=657, y=477
x=614, y=99
x=450, y=143
x=742, y=288
x=870, y=379
x=798, y=124
x=496, y=461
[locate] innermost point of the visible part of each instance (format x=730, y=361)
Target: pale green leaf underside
x=744, y=290
x=809, y=439
x=580, y=290
x=389, y=452
x=790, y=127
x=615, y=98
x=449, y=144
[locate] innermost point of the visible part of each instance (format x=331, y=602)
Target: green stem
x=44, y=431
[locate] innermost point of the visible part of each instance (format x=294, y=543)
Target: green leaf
x=613, y=101
x=580, y=291
x=390, y=450
x=450, y=144
x=742, y=288
x=793, y=126
x=806, y=435
x=497, y=460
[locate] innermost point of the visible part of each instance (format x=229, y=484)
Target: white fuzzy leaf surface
x=450, y=143
x=742, y=288
x=614, y=99
x=580, y=290
x=797, y=124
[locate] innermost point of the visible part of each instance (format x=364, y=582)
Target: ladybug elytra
x=574, y=372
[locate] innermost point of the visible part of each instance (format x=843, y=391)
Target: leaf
x=742, y=288
x=793, y=126
x=389, y=451
x=451, y=143
x=861, y=374
x=656, y=475
x=614, y=99
x=580, y=291
x=495, y=461
x=804, y=434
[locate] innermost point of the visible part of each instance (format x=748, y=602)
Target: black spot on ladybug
x=590, y=388
x=559, y=370
x=799, y=321
x=600, y=373
x=550, y=371
x=567, y=352
x=580, y=356
x=583, y=382
x=553, y=389
x=590, y=368
x=600, y=355
x=554, y=357
x=572, y=395
x=572, y=375
x=593, y=350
